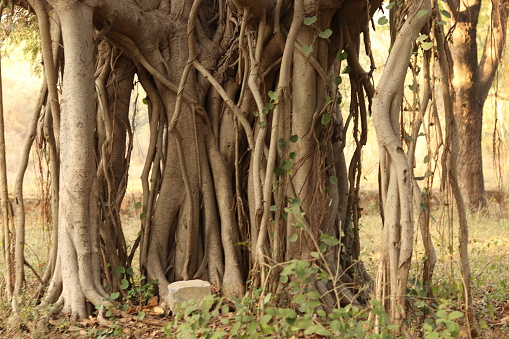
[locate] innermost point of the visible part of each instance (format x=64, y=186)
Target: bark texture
x=472, y=80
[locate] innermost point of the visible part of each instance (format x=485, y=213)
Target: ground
x=489, y=250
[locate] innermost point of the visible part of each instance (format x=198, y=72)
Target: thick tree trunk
x=467, y=103
x=471, y=83
x=211, y=162
x=78, y=223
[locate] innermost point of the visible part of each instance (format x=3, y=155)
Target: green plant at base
x=442, y=324
x=257, y=316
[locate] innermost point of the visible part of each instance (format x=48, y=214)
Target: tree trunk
x=225, y=192
x=471, y=83
x=78, y=239
x=7, y=220
x=396, y=180
x=467, y=104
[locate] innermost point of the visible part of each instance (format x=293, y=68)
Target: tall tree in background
x=472, y=81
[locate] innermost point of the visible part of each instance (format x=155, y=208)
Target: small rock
x=181, y=291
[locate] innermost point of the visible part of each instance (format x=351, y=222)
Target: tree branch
x=494, y=47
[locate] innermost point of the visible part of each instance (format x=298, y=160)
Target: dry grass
x=488, y=254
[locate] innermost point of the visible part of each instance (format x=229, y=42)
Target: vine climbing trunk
x=396, y=179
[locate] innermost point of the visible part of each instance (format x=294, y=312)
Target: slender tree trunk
x=4, y=194
x=396, y=179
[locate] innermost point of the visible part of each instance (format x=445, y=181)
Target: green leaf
x=286, y=313
x=390, y=5
x=342, y=55
x=273, y=96
x=413, y=87
x=333, y=179
x=427, y=45
x=267, y=329
x=279, y=171
x=335, y=325
x=293, y=237
x=422, y=13
x=313, y=295
x=317, y=329
x=442, y=314
x=328, y=240
x=235, y=328
x=325, y=119
x=325, y=34
x=419, y=178
x=267, y=298
x=261, y=124
x=337, y=80
x=287, y=165
x=346, y=70
x=256, y=113
x=296, y=201
x=442, y=22
x=120, y=270
x=115, y=295
x=315, y=254
x=137, y=205
x=422, y=37
x=273, y=208
x=143, y=216
x=292, y=155
x=294, y=138
x=307, y=49
x=455, y=315
x=145, y=101
x=426, y=159
x=124, y=284
x=282, y=144
x=383, y=20
x=424, y=206
x=310, y=20
x=445, y=13
x=141, y=315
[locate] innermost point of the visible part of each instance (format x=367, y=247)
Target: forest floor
x=488, y=253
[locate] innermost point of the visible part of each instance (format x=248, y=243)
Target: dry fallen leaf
x=157, y=310
x=89, y=321
x=153, y=302
x=504, y=320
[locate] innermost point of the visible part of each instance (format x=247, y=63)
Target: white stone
x=181, y=291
